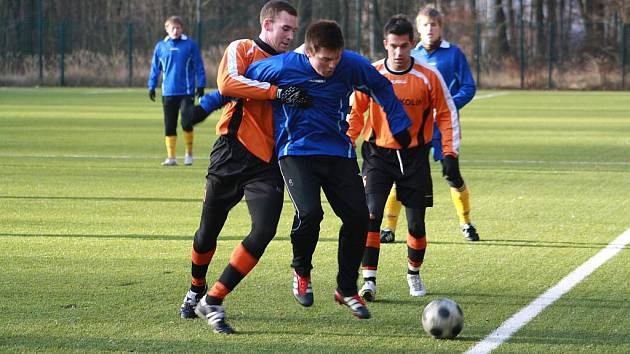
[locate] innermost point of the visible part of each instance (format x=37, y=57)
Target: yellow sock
x=171, y=144
x=461, y=200
x=188, y=139
x=392, y=210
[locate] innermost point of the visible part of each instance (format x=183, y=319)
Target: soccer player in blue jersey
x=315, y=153
x=452, y=64
x=177, y=57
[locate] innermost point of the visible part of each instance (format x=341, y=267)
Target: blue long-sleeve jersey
x=180, y=62
x=214, y=100
x=321, y=128
x=452, y=64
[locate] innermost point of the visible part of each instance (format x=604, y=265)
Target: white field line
x=359, y=159
x=543, y=162
x=490, y=95
x=74, y=156
x=107, y=91
x=521, y=318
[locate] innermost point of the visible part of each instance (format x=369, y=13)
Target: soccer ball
x=443, y=319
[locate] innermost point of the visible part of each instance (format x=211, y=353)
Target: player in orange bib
x=425, y=98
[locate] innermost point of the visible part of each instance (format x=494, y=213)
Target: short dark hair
x=323, y=34
x=398, y=25
x=274, y=7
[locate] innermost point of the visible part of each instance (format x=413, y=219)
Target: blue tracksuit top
x=180, y=62
x=452, y=64
x=321, y=128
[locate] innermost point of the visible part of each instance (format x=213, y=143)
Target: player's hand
x=403, y=138
x=294, y=96
x=199, y=92
x=450, y=165
x=152, y=95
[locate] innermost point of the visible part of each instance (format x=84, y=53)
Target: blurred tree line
x=495, y=34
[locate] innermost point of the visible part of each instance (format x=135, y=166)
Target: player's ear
x=385, y=43
x=267, y=24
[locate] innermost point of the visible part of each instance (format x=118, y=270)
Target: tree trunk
x=503, y=47
x=305, y=11
x=540, y=30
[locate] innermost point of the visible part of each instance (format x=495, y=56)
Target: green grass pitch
x=95, y=235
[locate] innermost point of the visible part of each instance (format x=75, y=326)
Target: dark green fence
x=39, y=52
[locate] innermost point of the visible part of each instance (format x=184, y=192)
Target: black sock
x=372, y=279
x=198, y=289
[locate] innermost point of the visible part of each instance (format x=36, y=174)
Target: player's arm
x=155, y=72
x=446, y=115
x=356, y=118
x=200, y=72
x=209, y=103
x=231, y=80
x=268, y=70
x=467, y=86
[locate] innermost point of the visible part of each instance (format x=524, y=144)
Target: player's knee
x=454, y=179
x=204, y=241
x=262, y=233
x=256, y=245
x=311, y=218
x=416, y=229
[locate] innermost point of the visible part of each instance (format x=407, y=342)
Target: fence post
x=40, y=40
x=61, y=53
x=478, y=52
x=358, y=4
x=130, y=51
x=624, y=35
x=550, y=56
x=199, y=34
x=521, y=49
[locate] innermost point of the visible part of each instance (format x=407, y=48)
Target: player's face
x=429, y=29
x=398, y=51
x=174, y=30
x=324, y=61
x=279, y=33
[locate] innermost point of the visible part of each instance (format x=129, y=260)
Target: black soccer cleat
x=215, y=315
x=187, y=310
x=355, y=303
x=469, y=232
x=388, y=236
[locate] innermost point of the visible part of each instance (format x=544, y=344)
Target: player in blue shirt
x=177, y=57
x=315, y=153
x=452, y=64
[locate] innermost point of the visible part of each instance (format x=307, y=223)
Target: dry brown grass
x=84, y=68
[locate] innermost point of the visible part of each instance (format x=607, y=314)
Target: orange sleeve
x=356, y=118
x=230, y=80
x=446, y=115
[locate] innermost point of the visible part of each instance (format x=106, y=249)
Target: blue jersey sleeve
x=467, y=87
x=371, y=82
x=200, y=72
x=212, y=101
x=265, y=70
x=156, y=67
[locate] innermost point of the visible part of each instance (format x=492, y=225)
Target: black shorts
x=234, y=171
x=382, y=168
